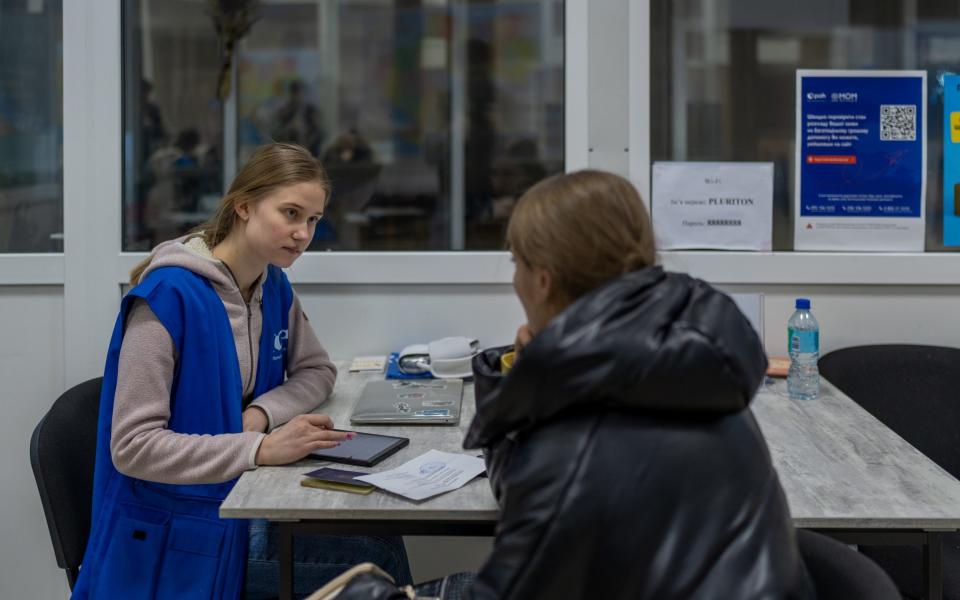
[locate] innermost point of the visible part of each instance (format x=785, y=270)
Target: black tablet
x=365, y=449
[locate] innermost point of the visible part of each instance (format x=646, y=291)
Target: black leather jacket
x=623, y=458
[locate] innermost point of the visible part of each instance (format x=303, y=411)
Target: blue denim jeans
x=451, y=587
x=317, y=559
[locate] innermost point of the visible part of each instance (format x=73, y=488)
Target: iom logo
x=844, y=97
x=280, y=344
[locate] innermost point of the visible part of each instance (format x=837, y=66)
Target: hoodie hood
x=648, y=340
x=191, y=252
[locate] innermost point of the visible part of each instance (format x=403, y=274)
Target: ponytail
x=271, y=166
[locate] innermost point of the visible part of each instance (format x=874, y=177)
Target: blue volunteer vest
x=162, y=541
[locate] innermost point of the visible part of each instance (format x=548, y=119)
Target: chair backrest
x=62, y=452
x=911, y=389
x=841, y=573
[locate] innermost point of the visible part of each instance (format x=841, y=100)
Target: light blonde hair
x=584, y=228
x=272, y=166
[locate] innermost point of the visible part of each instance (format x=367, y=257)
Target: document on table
x=368, y=363
x=429, y=474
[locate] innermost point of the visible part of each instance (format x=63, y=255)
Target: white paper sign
x=713, y=205
x=429, y=474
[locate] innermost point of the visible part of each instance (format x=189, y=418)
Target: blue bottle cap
x=803, y=303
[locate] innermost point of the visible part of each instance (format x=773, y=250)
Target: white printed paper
x=368, y=363
x=713, y=205
x=751, y=305
x=429, y=474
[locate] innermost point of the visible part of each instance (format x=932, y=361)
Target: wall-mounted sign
x=861, y=160
x=713, y=205
x=951, y=160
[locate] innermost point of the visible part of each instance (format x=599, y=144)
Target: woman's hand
x=524, y=336
x=254, y=419
x=298, y=438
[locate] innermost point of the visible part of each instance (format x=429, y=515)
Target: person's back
x=697, y=514
x=623, y=458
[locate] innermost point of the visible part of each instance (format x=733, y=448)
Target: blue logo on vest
x=279, y=344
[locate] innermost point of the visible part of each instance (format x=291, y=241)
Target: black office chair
x=840, y=572
x=62, y=452
x=913, y=390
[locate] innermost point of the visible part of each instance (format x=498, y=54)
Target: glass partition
x=31, y=126
x=723, y=78
x=432, y=117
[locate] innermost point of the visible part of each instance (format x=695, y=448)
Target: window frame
x=434, y=267
x=929, y=268
x=36, y=268
x=32, y=268
x=784, y=267
x=93, y=268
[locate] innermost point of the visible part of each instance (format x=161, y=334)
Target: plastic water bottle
x=803, y=338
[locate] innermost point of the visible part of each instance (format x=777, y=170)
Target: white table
x=848, y=475
x=844, y=473
x=275, y=493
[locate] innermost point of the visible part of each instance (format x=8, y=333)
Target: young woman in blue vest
x=210, y=354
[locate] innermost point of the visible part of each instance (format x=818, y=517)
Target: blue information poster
x=951, y=160
x=861, y=160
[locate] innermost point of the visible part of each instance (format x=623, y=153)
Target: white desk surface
x=840, y=467
x=275, y=493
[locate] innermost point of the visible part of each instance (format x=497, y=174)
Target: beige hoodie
x=140, y=443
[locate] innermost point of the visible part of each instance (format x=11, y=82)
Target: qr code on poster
x=898, y=122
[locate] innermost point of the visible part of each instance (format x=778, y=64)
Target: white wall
x=31, y=368
x=375, y=319
x=370, y=319
x=855, y=315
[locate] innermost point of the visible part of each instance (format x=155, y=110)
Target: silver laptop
x=408, y=401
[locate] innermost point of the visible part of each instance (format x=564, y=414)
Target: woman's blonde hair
x=584, y=228
x=272, y=166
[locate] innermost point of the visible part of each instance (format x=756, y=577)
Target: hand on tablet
x=298, y=438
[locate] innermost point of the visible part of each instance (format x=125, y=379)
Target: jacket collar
x=648, y=340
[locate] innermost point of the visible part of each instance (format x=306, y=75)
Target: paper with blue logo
x=429, y=474
x=861, y=160
x=951, y=160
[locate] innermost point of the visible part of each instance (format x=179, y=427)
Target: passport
x=341, y=480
